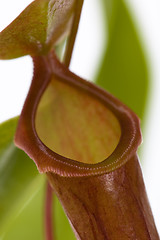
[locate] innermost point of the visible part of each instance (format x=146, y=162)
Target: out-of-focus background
x=15, y=75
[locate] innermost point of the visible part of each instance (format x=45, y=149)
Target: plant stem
x=66, y=61
x=72, y=37
x=49, y=235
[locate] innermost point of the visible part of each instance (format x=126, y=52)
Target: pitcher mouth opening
x=56, y=135
x=75, y=124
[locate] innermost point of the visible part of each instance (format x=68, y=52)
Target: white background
x=15, y=75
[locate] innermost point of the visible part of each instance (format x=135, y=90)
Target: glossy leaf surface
x=114, y=205
x=37, y=29
x=124, y=70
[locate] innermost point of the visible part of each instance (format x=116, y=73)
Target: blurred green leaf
x=20, y=182
x=123, y=71
x=22, y=194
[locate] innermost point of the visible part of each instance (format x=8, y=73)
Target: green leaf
x=13, y=164
x=19, y=184
x=37, y=29
x=22, y=192
x=124, y=71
